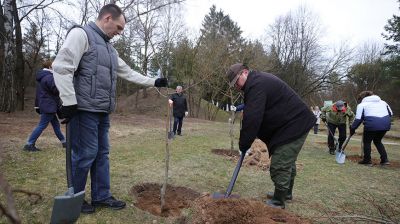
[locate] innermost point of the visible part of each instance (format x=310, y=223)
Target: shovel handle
x=345, y=143
x=68, y=160
x=234, y=176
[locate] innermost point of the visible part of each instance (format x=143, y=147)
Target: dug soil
x=207, y=209
x=375, y=161
x=231, y=211
x=148, y=198
x=257, y=156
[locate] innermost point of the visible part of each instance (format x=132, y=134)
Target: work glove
x=161, y=82
x=233, y=108
x=352, y=131
x=186, y=113
x=37, y=109
x=67, y=112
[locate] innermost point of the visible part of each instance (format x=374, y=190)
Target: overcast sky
x=353, y=21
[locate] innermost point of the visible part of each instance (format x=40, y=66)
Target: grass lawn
x=323, y=188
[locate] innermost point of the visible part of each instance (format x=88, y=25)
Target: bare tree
x=13, y=81
x=299, y=58
x=8, y=92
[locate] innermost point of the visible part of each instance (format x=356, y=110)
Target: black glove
x=352, y=131
x=161, y=82
x=323, y=120
x=37, y=109
x=67, y=112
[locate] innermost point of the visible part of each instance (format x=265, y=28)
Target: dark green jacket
x=331, y=115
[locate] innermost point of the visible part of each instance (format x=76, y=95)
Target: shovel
x=233, y=180
x=340, y=156
x=67, y=207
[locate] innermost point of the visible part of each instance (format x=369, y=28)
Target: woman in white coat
x=375, y=114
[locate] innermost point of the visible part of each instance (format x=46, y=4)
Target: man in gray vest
x=85, y=73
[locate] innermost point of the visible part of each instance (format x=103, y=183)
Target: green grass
x=323, y=187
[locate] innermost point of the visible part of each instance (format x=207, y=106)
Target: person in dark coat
x=180, y=110
x=275, y=114
x=46, y=104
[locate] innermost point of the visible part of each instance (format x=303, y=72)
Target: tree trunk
x=2, y=40
x=19, y=70
x=8, y=91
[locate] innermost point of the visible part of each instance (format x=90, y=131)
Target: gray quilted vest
x=96, y=77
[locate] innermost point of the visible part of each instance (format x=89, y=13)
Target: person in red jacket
x=275, y=114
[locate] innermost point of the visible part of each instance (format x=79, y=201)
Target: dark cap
x=339, y=104
x=234, y=72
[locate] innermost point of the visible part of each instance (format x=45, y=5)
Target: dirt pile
x=375, y=161
x=213, y=211
x=148, y=198
x=257, y=155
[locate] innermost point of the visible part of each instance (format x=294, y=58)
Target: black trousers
x=316, y=128
x=342, y=134
x=178, y=125
x=376, y=137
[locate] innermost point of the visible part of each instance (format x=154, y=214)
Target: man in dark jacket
x=275, y=114
x=179, y=104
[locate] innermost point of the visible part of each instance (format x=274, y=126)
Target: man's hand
x=161, y=82
x=67, y=112
x=352, y=131
x=186, y=113
x=37, y=109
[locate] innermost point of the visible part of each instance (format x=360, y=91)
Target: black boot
x=87, y=208
x=278, y=201
x=289, y=197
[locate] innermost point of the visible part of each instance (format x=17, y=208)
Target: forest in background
x=156, y=38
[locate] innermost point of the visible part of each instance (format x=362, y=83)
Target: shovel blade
x=340, y=157
x=67, y=208
x=217, y=195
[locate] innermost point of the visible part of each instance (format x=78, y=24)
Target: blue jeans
x=90, y=149
x=45, y=119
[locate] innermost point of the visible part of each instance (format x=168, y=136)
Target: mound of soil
x=148, y=198
x=213, y=211
x=375, y=161
x=257, y=156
